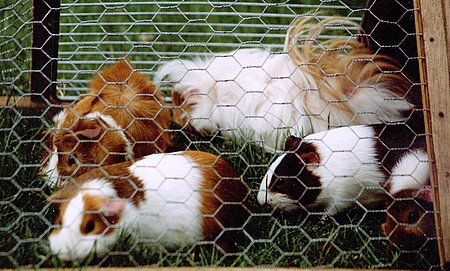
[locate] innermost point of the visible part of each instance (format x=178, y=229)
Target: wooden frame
x=432, y=19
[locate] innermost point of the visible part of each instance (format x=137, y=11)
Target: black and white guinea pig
x=335, y=170
x=174, y=199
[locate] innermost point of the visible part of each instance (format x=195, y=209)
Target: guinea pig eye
x=280, y=182
x=72, y=160
x=413, y=217
x=90, y=226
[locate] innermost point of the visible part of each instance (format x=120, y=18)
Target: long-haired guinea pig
x=121, y=118
x=262, y=96
x=172, y=199
x=336, y=169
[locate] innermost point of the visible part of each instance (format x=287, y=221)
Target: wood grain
x=433, y=22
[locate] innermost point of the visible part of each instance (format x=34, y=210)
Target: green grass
x=353, y=240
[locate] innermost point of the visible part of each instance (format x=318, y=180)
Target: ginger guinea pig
x=336, y=169
x=173, y=199
x=121, y=118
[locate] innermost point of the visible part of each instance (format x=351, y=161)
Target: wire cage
x=221, y=133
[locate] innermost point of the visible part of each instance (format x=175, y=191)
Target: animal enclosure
x=224, y=133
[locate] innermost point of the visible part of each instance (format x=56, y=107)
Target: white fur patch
x=171, y=212
x=261, y=96
x=410, y=172
x=349, y=167
x=99, y=187
x=109, y=120
x=248, y=93
x=263, y=195
x=378, y=104
x=59, y=118
x=51, y=168
x=282, y=201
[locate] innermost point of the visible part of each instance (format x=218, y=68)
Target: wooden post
x=44, y=51
x=432, y=17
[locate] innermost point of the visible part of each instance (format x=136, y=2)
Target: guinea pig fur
x=336, y=169
x=410, y=219
x=121, y=118
x=262, y=96
x=173, y=199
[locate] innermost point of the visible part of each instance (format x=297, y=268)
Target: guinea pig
x=262, y=96
x=410, y=217
x=173, y=199
x=121, y=118
x=337, y=169
x=410, y=221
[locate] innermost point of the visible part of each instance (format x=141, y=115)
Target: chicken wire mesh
x=195, y=208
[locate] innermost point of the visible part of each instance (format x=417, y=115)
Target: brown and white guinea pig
x=335, y=169
x=172, y=199
x=410, y=217
x=121, y=118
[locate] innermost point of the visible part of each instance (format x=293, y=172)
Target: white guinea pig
x=336, y=169
x=262, y=96
x=122, y=117
x=173, y=199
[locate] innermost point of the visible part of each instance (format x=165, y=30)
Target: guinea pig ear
x=426, y=194
x=89, y=133
x=113, y=207
x=292, y=143
x=311, y=159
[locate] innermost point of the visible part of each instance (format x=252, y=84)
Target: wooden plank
x=27, y=103
x=147, y=268
x=44, y=49
x=22, y=102
x=433, y=22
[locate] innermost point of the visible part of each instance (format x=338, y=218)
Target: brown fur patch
x=345, y=60
x=132, y=100
x=410, y=220
x=224, y=197
x=93, y=221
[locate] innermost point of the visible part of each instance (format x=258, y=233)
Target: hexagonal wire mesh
x=325, y=197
